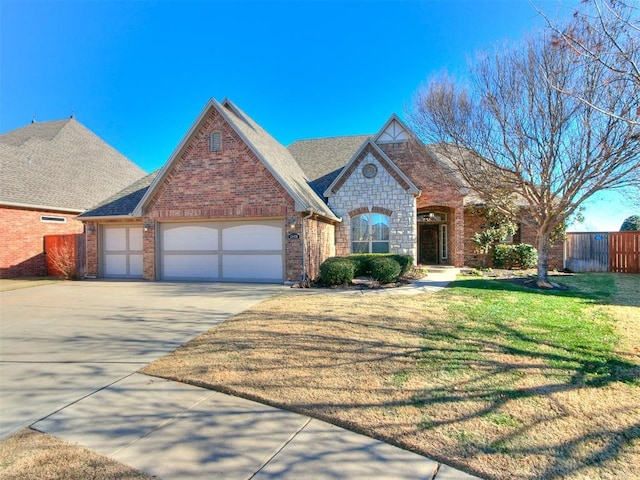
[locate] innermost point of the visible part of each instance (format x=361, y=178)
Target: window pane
x=380, y=247
x=360, y=247
x=359, y=227
x=380, y=227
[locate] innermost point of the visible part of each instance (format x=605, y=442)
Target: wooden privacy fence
x=602, y=252
x=65, y=255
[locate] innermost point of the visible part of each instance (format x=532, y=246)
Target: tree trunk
x=543, y=261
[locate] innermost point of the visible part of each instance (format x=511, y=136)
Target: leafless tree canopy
x=515, y=134
x=607, y=32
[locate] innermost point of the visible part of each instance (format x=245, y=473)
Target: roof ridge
x=368, y=135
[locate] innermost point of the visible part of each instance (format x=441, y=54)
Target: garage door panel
x=232, y=251
x=253, y=267
x=135, y=265
x=115, y=239
x=186, y=266
x=189, y=237
x=122, y=251
x=252, y=237
x=115, y=265
x=135, y=239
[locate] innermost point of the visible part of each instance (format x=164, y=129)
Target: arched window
x=370, y=233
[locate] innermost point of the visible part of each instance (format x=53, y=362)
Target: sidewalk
x=178, y=431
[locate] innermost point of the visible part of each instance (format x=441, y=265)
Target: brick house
x=233, y=204
x=51, y=172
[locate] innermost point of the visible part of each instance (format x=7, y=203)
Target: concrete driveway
x=62, y=342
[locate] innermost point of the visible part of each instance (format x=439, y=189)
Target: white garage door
x=223, y=251
x=122, y=252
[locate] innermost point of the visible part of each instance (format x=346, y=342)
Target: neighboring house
x=233, y=204
x=49, y=173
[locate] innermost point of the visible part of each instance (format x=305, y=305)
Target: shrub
x=525, y=255
x=405, y=261
x=502, y=256
x=509, y=256
x=337, y=270
x=385, y=269
x=363, y=262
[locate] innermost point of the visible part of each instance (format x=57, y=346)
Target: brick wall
x=320, y=245
x=473, y=224
x=22, y=243
x=231, y=184
x=439, y=190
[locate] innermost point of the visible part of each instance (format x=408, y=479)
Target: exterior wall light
x=292, y=223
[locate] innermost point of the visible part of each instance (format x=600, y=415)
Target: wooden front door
x=428, y=245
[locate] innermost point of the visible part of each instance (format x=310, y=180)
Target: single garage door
x=222, y=251
x=122, y=252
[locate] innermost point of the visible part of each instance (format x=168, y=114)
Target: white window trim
x=444, y=252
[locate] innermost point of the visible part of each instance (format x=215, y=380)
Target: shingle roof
x=279, y=160
x=322, y=159
x=124, y=202
x=60, y=164
x=274, y=156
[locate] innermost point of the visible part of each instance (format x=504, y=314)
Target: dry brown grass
x=358, y=361
x=31, y=455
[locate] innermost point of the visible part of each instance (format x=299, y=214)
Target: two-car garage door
x=223, y=251
x=200, y=251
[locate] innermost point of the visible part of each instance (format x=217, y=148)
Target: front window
x=370, y=233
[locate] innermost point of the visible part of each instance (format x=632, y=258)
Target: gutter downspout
x=304, y=250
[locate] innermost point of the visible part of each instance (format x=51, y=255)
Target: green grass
x=564, y=330
x=561, y=328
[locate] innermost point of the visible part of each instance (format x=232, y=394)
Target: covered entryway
x=247, y=251
x=433, y=237
x=122, y=251
x=428, y=246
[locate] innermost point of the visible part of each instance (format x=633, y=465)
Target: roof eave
x=41, y=207
x=109, y=217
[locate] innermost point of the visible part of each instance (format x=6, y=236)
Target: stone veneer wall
x=379, y=193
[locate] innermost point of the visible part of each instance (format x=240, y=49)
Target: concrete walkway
x=178, y=431
x=164, y=428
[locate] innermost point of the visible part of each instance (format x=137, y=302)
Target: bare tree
x=607, y=32
x=62, y=258
x=523, y=144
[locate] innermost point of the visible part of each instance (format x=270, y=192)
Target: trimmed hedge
x=509, y=256
x=383, y=267
x=363, y=259
x=337, y=271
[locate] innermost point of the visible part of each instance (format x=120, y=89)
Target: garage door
x=222, y=251
x=122, y=252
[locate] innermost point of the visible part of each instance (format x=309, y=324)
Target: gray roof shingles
x=60, y=164
x=280, y=160
x=322, y=159
x=124, y=202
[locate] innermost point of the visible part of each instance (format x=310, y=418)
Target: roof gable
x=394, y=131
x=370, y=148
x=275, y=157
x=60, y=165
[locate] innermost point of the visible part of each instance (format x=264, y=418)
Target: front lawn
x=494, y=378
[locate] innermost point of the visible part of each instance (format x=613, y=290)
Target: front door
x=428, y=248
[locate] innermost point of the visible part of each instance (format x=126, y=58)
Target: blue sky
x=137, y=73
